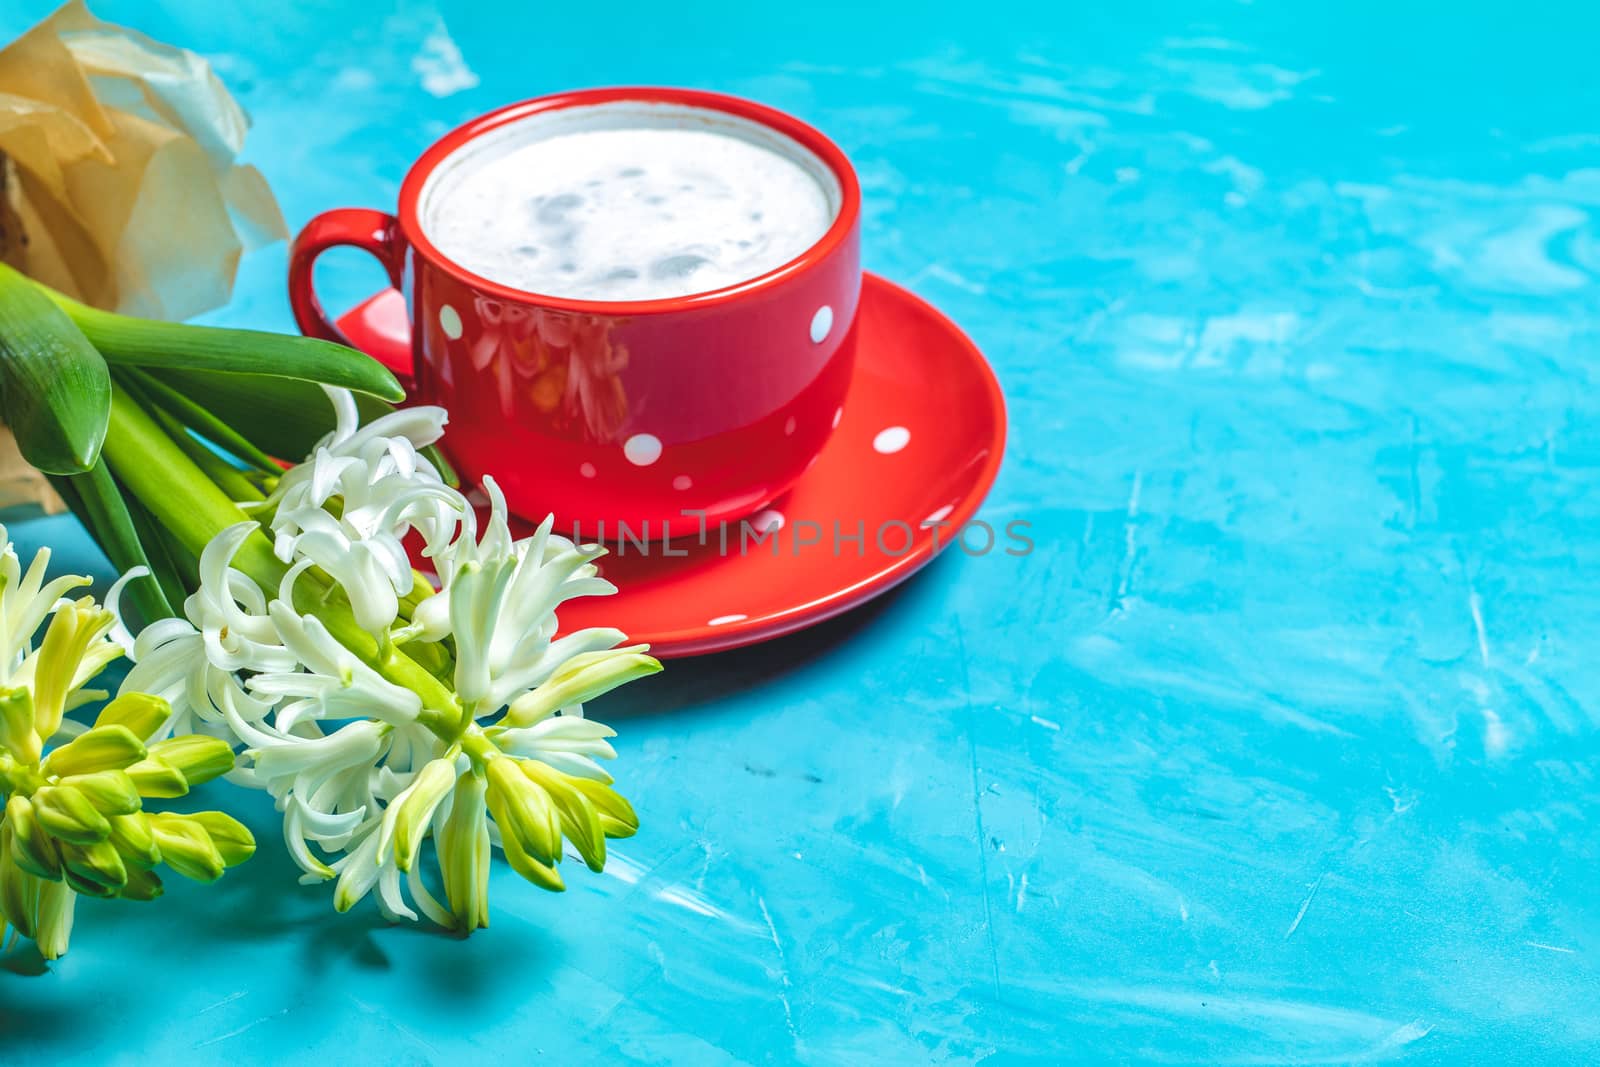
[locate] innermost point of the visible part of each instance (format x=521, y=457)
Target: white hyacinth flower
x=334, y=679
x=385, y=488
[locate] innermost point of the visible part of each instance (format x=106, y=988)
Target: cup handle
x=375, y=232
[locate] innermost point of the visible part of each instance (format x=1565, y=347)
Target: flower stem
x=176, y=491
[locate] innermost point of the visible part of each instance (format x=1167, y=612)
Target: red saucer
x=917, y=446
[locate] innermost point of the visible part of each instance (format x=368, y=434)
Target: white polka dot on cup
x=642, y=449
x=788, y=427
x=587, y=470
x=821, y=324
x=450, y=322
x=891, y=440
x=767, y=521
x=682, y=482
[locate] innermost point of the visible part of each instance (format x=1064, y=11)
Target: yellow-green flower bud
x=523, y=811
x=17, y=734
x=156, y=778
x=579, y=819
x=67, y=815
x=195, y=756
x=73, y=627
x=132, y=838
x=104, y=748
x=540, y=874
x=359, y=875
x=414, y=812
x=142, y=885
x=616, y=814
x=18, y=889
x=580, y=679
x=464, y=854
x=57, y=902
x=31, y=848
x=95, y=870
x=234, y=843
x=111, y=792
x=186, y=847
x=142, y=713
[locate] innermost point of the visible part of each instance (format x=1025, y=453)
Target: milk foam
x=630, y=213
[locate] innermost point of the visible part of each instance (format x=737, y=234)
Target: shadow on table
x=259, y=906
x=696, y=681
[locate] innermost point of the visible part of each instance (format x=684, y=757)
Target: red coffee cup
x=678, y=410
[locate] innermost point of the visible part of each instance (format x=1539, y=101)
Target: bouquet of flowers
x=283, y=617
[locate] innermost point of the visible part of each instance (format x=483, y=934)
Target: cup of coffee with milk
x=637, y=305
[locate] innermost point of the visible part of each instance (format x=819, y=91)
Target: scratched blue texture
x=1281, y=747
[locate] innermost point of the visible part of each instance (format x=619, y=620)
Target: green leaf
x=283, y=417
x=194, y=416
x=229, y=478
x=150, y=343
x=175, y=570
x=106, y=514
x=172, y=590
x=55, y=391
x=177, y=493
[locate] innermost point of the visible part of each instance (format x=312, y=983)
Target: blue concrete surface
x=1280, y=748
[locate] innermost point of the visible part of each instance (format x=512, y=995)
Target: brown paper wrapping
x=119, y=180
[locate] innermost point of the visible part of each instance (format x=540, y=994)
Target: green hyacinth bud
x=234, y=843
x=18, y=888
x=579, y=819
x=67, y=815
x=464, y=855
x=580, y=679
x=540, y=874
x=53, y=930
x=523, y=811
x=104, y=748
x=415, y=811
x=111, y=792
x=197, y=757
x=72, y=629
x=132, y=838
x=17, y=734
x=360, y=874
x=142, y=713
x=94, y=870
x=142, y=885
x=186, y=847
x=158, y=779
x=616, y=814
x=31, y=847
